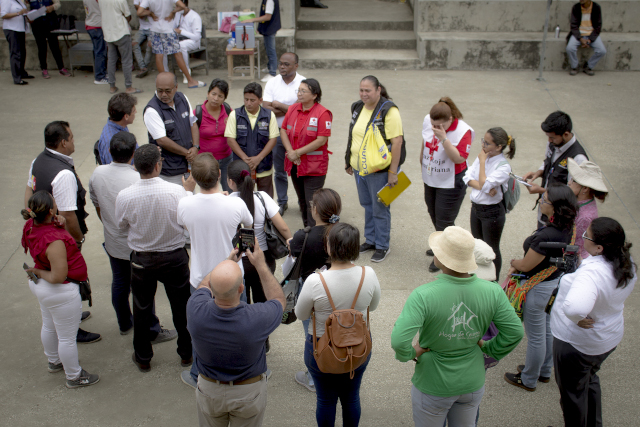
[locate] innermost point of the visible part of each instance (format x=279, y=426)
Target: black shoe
x=429, y=252
x=85, y=316
x=516, y=380
x=540, y=378
x=588, y=71
x=21, y=83
x=27, y=76
x=85, y=337
x=366, y=247
x=283, y=208
x=186, y=362
x=432, y=267
x=379, y=255
x=573, y=72
x=143, y=367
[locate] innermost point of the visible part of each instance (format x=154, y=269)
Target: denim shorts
x=165, y=43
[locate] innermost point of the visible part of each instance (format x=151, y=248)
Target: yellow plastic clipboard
x=387, y=194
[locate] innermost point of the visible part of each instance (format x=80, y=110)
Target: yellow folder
x=387, y=194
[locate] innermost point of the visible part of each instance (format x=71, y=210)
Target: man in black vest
x=53, y=171
x=269, y=24
x=172, y=126
x=251, y=133
x=562, y=145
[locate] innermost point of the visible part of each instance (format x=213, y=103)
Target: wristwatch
x=81, y=241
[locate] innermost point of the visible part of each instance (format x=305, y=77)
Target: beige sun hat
x=454, y=248
x=587, y=174
x=484, y=256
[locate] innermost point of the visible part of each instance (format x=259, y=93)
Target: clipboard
x=387, y=194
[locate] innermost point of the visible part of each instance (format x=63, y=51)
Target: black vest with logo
x=273, y=25
x=556, y=172
x=45, y=169
x=253, y=141
x=178, y=127
x=378, y=120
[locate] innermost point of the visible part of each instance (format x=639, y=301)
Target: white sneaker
x=184, y=78
x=267, y=78
x=101, y=82
x=302, y=378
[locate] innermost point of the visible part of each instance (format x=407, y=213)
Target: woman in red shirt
x=305, y=134
x=57, y=259
x=446, y=142
x=212, y=121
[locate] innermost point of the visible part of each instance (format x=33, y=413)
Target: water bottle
x=557, y=31
x=231, y=44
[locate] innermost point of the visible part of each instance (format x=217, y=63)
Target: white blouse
x=497, y=171
x=590, y=291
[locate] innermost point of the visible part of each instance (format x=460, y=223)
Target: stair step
x=357, y=15
x=355, y=40
x=372, y=25
x=382, y=59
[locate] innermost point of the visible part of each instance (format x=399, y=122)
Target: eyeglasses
x=584, y=236
x=302, y=91
x=485, y=143
x=545, y=201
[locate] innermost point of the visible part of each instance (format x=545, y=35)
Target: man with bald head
x=172, y=126
x=280, y=93
x=228, y=337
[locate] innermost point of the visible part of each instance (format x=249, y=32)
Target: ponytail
x=39, y=206
x=609, y=234
x=240, y=173
x=444, y=109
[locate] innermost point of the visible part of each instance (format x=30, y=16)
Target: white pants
x=185, y=47
x=61, y=308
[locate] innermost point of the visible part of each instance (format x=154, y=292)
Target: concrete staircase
x=507, y=34
x=357, y=34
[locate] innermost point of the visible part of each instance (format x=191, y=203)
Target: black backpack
x=96, y=152
x=227, y=108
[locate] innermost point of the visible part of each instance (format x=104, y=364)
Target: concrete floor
x=604, y=109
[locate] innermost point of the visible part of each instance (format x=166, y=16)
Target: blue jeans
x=331, y=387
x=377, y=216
x=141, y=37
x=224, y=164
x=280, y=176
x=461, y=411
x=270, y=48
x=598, y=52
x=99, y=53
x=539, y=361
x=120, y=290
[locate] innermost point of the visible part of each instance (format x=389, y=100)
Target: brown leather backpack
x=346, y=343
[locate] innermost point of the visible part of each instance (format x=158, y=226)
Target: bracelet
x=390, y=171
x=81, y=241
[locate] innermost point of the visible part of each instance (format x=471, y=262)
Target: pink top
x=212, y=139
x=588, y=212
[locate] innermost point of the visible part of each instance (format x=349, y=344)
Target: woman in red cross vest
x=305, y=134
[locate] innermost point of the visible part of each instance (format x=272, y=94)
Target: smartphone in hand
x=32, y=276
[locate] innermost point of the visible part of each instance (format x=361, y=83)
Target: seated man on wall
x=586, y=24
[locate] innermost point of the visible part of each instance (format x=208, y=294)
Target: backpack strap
x=358, y=291
x=227, y=108
x=199, y=114
x=326, y=289
x=257, y=193
x=295, y=272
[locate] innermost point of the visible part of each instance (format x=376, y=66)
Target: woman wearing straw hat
x=587, y=184
x=451, y=313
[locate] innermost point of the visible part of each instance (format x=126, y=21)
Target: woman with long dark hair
x=342, y=280
x=375, y=107
x=446, y=142
x=587, y=319
x=487, y=177
x=305, y=133
x=325, y=208
x=540, y=278
x=57, y=259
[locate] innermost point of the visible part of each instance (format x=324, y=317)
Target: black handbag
x=85, y=289
x=291, y=285
x=275, y=242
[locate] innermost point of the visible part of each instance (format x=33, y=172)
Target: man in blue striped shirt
x=122, y=112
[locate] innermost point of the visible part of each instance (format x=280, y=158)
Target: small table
x=65, y=34
x=251, y=52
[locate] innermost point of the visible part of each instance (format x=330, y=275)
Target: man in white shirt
x=105, y=184
x=279, y=94
x=146, y=210
x=53, y=171
x=188, y=26
x=115, y=27
x=212, y=219
x=143, y=35
x=164, y=40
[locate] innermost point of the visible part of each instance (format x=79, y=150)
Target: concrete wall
x=516, y=15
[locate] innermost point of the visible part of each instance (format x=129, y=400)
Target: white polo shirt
x=277, y=90
x=17, y=23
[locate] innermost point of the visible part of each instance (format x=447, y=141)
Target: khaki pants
x=221, y=405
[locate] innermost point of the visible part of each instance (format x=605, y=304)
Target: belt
x=232, y=383
x=483, y=208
